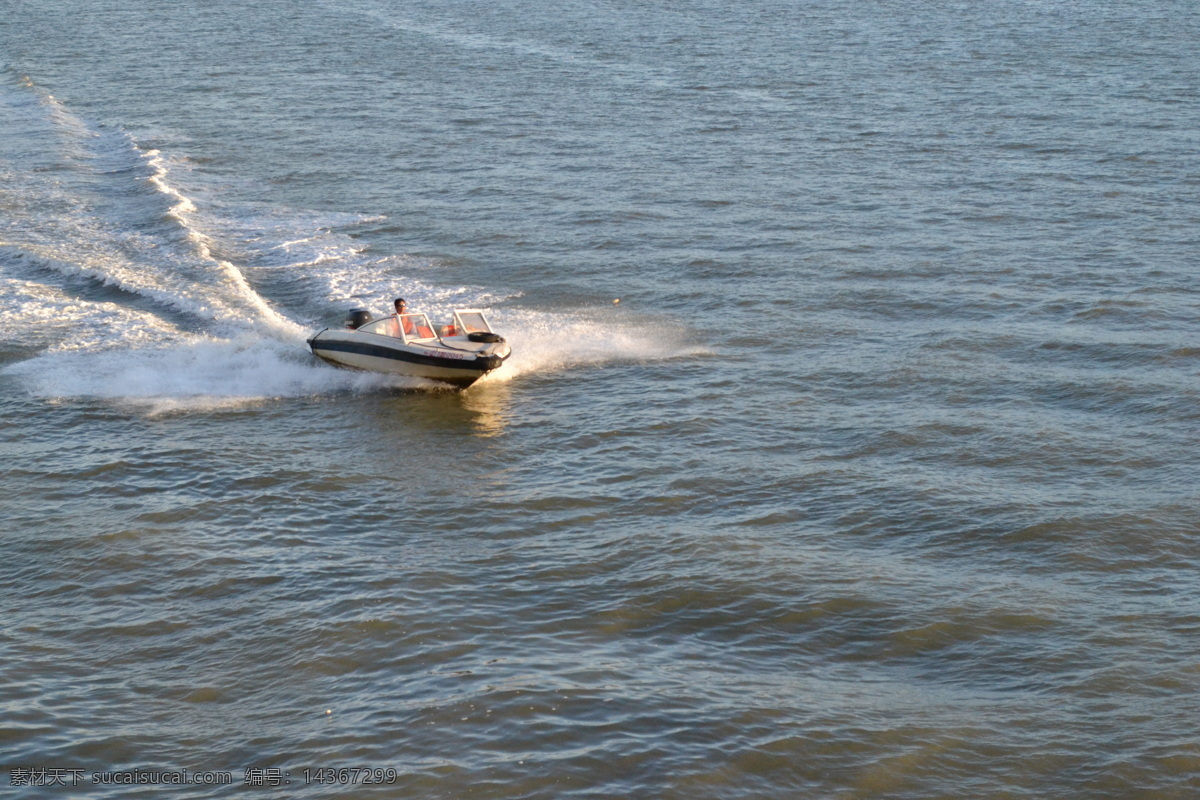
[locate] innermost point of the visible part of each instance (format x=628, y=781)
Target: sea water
x=879, y=481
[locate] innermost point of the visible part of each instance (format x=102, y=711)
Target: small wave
x=37, y=112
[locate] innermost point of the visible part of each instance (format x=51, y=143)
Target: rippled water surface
x=879, y=481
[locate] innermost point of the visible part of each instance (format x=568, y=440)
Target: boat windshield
x=471, y=321
x=405, y=327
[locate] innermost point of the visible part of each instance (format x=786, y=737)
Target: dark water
x=878, y=482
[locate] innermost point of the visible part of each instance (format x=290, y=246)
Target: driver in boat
x=401, y=308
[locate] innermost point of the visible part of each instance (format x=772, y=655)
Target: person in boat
x=413, y=324
x=401, y=308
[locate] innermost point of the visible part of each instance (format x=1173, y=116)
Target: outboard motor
x=357, y=318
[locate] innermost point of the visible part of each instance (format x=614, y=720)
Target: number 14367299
x=362, y=775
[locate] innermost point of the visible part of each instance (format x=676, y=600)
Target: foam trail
x=111, y=269
x=114, y=214
x=34, y=314
x=545, y=342
x=203, y=375
x=183, y=211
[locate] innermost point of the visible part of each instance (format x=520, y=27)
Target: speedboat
x=458, y=353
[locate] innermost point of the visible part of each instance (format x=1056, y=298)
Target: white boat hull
x=458, y=361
